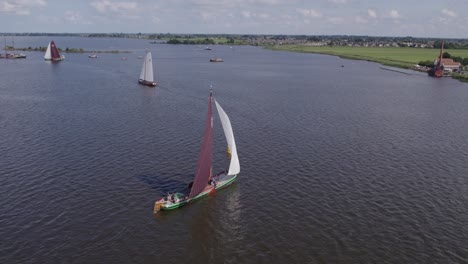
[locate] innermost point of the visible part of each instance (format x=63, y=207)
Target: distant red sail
x=53, y=51
x=202, y=174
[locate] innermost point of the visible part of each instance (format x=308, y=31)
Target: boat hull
x=435, y=72
x=153, y=84
x=13, y=56
x=56, y=59
x=224, y=180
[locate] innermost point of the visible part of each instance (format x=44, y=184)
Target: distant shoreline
x=404, y=58
x=67, y=50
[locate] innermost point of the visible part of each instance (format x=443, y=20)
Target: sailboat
x=146, y=75
x=52, y=53
x=13, y=55
x=437, y=70
x=204, y=182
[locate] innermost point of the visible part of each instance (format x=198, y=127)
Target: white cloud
x=206, y=15
x=48, y=19
x=239, y=3
x=372, y=13
x=23, y=12
x=20, y=7
x=268, y=2
x=361, y=20
x=394, y=14
x=335, y=20
x=246, y=14
x=118, y=7
x=309, y=12
x=75, y=17
x=449, y=13
x=29, y=3
x=155, y=19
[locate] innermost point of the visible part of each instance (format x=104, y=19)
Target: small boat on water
x=216, y=60
x=146, y=75
x=204, y=182
x=437, y=70
x=207, y=48
x=93, y=56
x=14, y=56
x=52, y=53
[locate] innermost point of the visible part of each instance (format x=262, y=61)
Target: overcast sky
x=418, y=18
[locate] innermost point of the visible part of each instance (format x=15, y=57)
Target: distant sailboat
x=437, y=70
x=146, y=75
x=12, y=55
x=204, y=182
x=52, y=53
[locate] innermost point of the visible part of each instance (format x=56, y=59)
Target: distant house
x=448, y=64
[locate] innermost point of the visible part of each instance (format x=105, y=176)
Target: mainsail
x=203, y=172
x=54, y=51
x=147, y=69
x=234, y=167
x=47, y=54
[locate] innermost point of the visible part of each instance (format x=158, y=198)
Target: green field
x=206, y=41
x=398, y=57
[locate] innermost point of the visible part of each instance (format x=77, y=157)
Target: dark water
x=338, y=165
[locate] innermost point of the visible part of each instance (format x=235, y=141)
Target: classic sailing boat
x=437, y=70
x=204, y=182
x=146, y=75
x=52, y=53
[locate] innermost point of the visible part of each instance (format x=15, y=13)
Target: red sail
x=202, y=174
x=53, y=51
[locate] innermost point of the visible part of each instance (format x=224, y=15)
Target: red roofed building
x=448, y=64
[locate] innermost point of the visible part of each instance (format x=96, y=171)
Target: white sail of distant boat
x=47, y=55
x=146, y=75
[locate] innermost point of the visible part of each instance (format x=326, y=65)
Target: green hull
x=205, y=193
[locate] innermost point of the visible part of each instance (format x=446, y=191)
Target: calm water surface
x=339, y=164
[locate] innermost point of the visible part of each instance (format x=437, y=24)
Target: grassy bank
x=203, y=41
x=463, y=78
x=397, y=57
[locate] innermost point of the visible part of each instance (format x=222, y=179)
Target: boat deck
x=180, y=200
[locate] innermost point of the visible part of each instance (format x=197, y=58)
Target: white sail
x=47, y=55
x=147, y=69
x=234, y=167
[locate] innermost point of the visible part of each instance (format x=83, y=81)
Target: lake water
x=349, y=164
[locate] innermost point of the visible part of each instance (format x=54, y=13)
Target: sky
x=417, y=18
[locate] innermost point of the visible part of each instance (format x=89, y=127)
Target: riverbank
x=405, y=58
